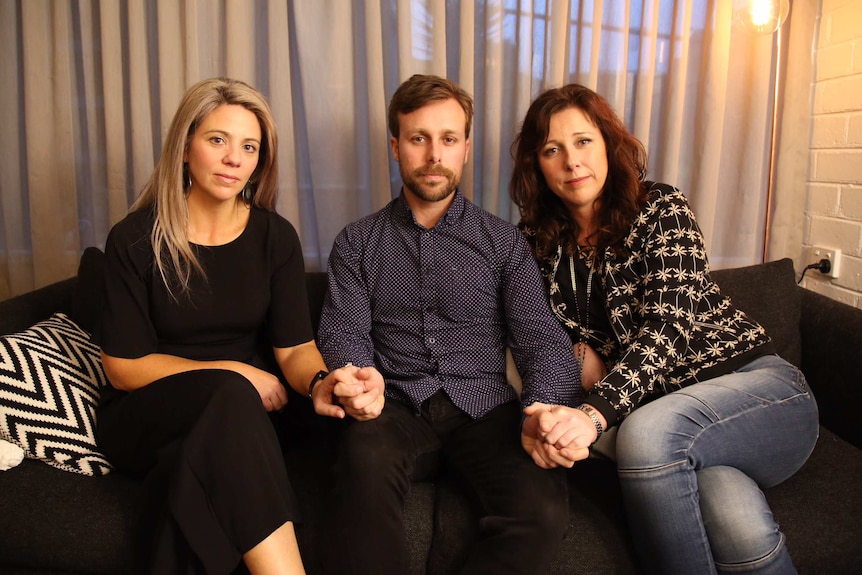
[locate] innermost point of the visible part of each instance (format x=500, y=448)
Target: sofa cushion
x=52, y=521
x=50, y=377
x=768, y=294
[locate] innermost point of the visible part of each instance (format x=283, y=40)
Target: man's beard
x=412, y=182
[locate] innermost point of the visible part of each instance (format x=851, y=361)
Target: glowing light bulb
x=760, y=16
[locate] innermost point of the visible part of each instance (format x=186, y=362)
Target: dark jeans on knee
x=522, y=508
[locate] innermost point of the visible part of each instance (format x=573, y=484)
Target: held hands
x=556, y=436
x=350, y=390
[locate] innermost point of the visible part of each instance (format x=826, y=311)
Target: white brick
x=850, y=203
x=838, y=166
x=823, y=200
x=829, y=131
x=806, y=230
x=833, y=214
x=854, y=128
x=835, y=61
x=819, y=89
x=850, y=273
x=830, y=6
x=836, y=233
x=846, y=21
x=841, y=95
x=830, y=290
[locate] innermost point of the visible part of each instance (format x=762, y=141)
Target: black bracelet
x=317, y=377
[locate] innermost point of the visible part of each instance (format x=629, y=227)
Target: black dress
x=214, y=468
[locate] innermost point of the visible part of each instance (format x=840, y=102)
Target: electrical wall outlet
x=834, y=256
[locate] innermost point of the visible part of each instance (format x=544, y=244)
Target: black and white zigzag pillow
x=50, y=377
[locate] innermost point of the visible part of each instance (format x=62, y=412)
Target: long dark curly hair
x=624, y=192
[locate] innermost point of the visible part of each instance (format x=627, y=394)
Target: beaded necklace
x=583, y=325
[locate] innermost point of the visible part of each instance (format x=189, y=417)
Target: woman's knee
x=654, y=436
x=230, y=388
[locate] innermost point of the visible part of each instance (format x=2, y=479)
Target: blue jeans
x=692, y=465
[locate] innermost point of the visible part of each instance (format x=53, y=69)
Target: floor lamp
x=766, y=17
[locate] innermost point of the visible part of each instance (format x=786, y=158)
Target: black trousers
x=215, y=473
x=523, y=508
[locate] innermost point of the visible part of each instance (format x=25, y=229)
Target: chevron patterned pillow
x=50, y=377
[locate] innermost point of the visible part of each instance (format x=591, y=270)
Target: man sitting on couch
x=426, y=295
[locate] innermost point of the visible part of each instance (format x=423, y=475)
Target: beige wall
x=833, y=216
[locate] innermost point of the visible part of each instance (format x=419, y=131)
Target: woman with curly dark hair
x=707, y=414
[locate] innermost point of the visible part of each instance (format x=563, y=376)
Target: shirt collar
x=453, y=214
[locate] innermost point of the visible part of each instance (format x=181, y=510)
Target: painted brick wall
x=834, y=210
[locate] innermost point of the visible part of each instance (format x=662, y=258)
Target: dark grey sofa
x=53, y=521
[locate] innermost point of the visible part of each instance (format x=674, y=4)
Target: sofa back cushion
x=89, y=295
x=768, y=294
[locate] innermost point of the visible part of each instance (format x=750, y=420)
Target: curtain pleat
x=241, y=34
x=90, y=89
x=114, y=122
x=143, y=120
x=51, y=166
x=466, y=77
x=16, y=261
x=644, y=82
x=673, y=113
x=279, y=75
x=375, y=107
x=711, y=106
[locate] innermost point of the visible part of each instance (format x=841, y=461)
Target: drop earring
x=187, y=179
x=247, y=194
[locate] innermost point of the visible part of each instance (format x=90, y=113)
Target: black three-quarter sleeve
x=127, y=330
x=289, y=317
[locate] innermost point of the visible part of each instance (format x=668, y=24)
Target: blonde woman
x=203, y=282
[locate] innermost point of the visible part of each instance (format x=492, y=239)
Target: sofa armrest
x=832, y=362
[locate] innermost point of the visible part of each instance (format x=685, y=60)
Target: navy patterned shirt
x=436, y=309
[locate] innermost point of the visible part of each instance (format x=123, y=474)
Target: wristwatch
x=594, y=417
x=317, y=377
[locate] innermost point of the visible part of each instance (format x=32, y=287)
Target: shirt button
x=432, y=341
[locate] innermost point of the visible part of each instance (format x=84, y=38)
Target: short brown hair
x=421, y=90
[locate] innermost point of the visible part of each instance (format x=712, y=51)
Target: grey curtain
x=90, y=86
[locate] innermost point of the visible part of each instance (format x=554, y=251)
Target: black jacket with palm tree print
x=671, y=325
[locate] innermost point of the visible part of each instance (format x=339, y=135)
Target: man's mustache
x=434, y=171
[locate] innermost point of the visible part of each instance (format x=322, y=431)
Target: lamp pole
x=773, y=143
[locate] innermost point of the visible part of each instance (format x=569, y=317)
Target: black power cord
x=824, y=266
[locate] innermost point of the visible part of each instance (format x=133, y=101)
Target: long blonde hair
x=165, y=190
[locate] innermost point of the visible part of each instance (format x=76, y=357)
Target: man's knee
x=369, y=457
x=547, y=508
